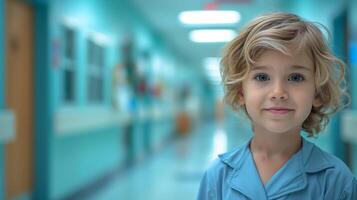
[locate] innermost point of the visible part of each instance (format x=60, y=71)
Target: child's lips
x=279, y=110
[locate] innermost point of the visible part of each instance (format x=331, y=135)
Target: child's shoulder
x=333, y=173
x=319, y=155
x=333, y=167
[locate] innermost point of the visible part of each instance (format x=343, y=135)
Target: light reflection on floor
x=219, y=142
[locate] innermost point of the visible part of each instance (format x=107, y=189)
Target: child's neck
x=276, y=145
x=271, y=151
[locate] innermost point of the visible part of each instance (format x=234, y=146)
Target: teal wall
x=43, y=103
x=78, y=159
x=2, y=95
x=339, y=33
x=352, y=16
x=354, y=107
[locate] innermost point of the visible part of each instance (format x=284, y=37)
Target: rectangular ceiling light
x=209, y=17
x=212, y=35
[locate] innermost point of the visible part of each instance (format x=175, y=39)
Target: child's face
x=279, y=92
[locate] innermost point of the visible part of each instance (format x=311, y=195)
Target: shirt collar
x=313, y=158
x=244, y=179
x=290, y=178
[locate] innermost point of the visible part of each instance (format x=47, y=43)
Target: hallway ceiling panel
x=163, y=16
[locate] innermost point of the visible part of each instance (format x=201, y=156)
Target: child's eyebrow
x=294, y=67
x=300, y=67
x=259, y=67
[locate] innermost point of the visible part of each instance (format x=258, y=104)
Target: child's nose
x=279, y=92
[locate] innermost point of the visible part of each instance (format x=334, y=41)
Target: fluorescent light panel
x=212, y=35
x=209, y=17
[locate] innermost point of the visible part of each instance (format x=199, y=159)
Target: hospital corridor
x=124, y=99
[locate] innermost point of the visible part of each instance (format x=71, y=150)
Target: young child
x=281, y=73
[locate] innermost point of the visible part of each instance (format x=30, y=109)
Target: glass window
x=96, y=65
x=69, y=59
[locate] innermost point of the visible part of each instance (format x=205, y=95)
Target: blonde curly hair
x=282, y=32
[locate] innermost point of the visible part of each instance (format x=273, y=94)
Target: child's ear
x=317, y=101
x=241, y=97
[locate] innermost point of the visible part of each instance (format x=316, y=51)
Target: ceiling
x=163, y=16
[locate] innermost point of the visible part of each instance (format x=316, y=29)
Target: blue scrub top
x=310, y=173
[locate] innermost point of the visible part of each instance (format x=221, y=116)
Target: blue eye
x=296, y=78
x=261, y=77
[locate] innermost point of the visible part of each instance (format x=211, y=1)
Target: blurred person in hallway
x=281, y=73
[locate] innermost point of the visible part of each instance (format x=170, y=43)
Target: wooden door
x=19, y=97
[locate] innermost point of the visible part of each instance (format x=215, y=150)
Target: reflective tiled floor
x=175, y=172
